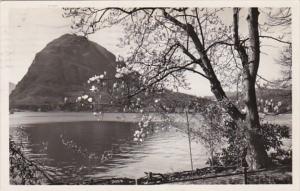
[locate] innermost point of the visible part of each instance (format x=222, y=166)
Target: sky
x=29, y=30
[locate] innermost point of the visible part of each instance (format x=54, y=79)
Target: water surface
x=90, y=148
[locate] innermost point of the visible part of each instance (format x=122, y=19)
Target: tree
x=166, y=42
x=280, y=19
x=285, y=61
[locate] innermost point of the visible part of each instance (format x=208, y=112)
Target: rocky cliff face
x=61, y=69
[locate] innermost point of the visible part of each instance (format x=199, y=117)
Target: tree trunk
x=220, y=95
x=256, y=154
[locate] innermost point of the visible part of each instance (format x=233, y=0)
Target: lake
x=81, y=146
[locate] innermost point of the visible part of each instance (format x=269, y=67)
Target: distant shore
x=45, y=117
x=27, y=117
x=19, y=118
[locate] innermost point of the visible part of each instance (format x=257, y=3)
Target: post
x=245, y=175
x=189, y=136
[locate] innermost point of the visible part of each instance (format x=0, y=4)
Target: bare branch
x=277, y=39
x=200, y=26
x=223, y=42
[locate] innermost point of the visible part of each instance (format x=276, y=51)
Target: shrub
x=235, y=152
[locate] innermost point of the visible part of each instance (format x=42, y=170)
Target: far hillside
x=284, y=96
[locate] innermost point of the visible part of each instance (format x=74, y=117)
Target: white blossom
x=115, y=85
x=90, y=99
x=123, y=70
x=146, y=124
x=276, y=108
x=135, y=139
x=93, y=88
x=137, y=133
x=244, y=110
x=78, y=99
x=118, y=75
x=96, y=78
x=85, y=97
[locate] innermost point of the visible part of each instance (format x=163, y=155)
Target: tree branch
x=270, y=37
x=223, y=42
x=237, y=45
x=200, y=26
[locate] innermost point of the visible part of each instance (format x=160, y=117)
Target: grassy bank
x=281, y=119
x=277, y=175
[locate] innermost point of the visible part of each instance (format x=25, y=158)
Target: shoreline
x=21, y=118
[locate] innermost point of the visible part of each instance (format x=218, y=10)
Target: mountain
x=60, y=70
x=11, y=87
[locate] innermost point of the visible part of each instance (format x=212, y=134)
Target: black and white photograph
x=154, y=93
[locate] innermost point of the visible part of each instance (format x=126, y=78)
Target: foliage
x=22, y=170
x=235, y=152
x=211, y=130
x=282, y=157
x=273, y=135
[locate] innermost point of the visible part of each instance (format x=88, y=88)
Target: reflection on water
x=105, y=149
